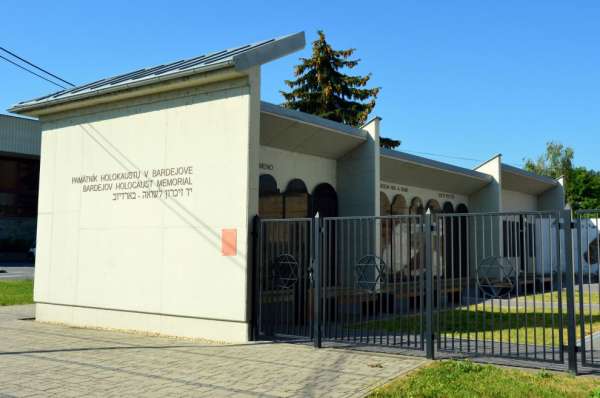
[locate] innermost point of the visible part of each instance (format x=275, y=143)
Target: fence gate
x=587, y=247
x=372, y=278
x=500, y=285
x=358, y=279
x=283, y=277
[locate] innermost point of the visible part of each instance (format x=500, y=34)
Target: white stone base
x=170, y=325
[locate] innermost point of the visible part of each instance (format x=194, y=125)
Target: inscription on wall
x=399, y=188
x=393, y=187
x=164, y=183
x=442, y=195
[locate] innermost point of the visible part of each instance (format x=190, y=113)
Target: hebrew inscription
x=164, y=183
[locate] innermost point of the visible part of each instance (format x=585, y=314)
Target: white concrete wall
x=518, y=201
x=284, y=166
x=152, y=264
x=553, y=199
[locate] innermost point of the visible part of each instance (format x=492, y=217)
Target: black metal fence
x=588, y=286
x=372, y=280
x=500, y=285
x=509, y=285
x=284, y=277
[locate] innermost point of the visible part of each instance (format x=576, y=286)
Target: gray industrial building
x=20, y=141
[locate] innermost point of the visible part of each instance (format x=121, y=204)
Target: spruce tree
x=322, y=89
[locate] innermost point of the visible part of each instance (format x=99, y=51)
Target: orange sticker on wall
x=229, y=242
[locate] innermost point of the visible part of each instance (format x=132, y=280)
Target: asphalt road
x=16, y=270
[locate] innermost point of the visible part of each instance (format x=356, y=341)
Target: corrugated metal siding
x=19, y=135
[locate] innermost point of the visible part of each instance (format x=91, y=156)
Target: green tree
x=556, y=162
x=583, y=189
x=582, y=186
x=388, y=143
x=321, y=88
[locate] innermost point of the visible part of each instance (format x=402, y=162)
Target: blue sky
x=464, y=79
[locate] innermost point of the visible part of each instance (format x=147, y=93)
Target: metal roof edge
x=371, y=120
x=270, y=51
x=26, y=107
x=28, y=119
x=390, y=153
x=308, y=118
x=242, y=58
x=527, y=174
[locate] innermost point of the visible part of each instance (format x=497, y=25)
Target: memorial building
x=150, y=180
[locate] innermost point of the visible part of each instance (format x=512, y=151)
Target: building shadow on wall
x=180, y=210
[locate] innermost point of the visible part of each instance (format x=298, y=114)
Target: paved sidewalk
x=38, y=359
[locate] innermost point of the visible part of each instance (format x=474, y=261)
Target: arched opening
x=399, y=206
x=460, y=237
x=270, y=200
x=416, y=206
x=433, y=206
x=399, y=235
x=324, y=201
x=296, y=199
x=414, y=237
x=385, y=208
x=448, y=238
x=448, y=208
x=267, y=185
x=462, y=208
x=385, y=226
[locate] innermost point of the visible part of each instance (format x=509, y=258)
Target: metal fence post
x=254, y=279
x=579, y=275
x=428, y=230
x=571, y=341
x=317, y=279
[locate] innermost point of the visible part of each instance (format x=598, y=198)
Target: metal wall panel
x=20, y=135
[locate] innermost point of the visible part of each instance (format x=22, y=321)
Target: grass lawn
x=16, y=292
x=588, y=296
x=467, y=379
x=515, y=324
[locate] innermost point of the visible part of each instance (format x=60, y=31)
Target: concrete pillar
x=554, y=198
x=372, y=127
x=489, y=198
x=358, y=176
x=485, y=233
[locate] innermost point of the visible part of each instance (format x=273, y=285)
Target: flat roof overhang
x=516, y=179
x=405, y=169
x=235, y=60
x=301, y=132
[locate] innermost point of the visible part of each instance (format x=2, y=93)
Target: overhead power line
x=509, y=162
x=442, y=156
x=32, y=72
x=35, y=66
